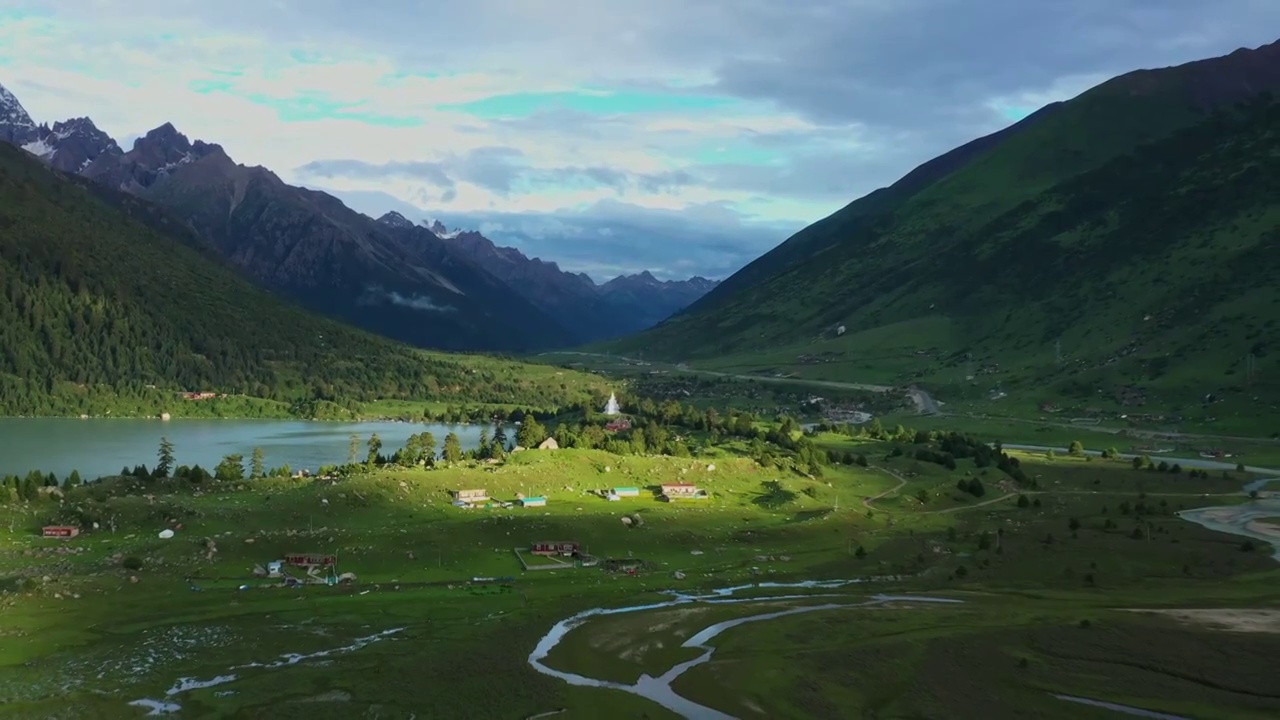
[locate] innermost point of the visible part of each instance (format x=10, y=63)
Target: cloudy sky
x=682, y=136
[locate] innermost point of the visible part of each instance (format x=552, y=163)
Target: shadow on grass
x=773, y=496
x=807, y=515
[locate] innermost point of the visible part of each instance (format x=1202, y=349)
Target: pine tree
x=531, y=433
x=428, y=445
x=164, y=455
x=452, y=448
x=353, y=448
x=256, y=463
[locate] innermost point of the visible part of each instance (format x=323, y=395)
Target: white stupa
x=611, y=407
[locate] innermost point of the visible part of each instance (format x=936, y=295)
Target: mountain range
x=110, y=306
x=624, y=305
x=1124, y=238
x=391, y=276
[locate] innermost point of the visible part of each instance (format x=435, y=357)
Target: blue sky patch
x=1016, y=112
x=738, y=153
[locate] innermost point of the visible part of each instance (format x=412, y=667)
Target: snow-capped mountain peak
x=69, y=146
x=12, y=112
x=438, y=229
x=16, y=126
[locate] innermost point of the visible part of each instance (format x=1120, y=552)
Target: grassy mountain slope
x=1155, y=272
x=103, y=294
x=1021, y=247
x=978, y=181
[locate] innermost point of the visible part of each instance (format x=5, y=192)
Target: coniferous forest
x=107, y=302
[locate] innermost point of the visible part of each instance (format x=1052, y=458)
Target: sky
x=679, y=136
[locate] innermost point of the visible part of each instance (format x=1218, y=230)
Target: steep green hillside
x=100, y=300
x=1151, y=267
x=979, y=180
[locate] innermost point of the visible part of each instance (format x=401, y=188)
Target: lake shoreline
x=101, y=447
x=238, y=418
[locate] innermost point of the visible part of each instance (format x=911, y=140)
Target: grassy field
x=417, y=634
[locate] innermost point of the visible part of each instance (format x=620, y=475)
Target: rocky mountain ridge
x=423, y=285
x=623, y=305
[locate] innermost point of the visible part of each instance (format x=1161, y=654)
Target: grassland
x=88, y=640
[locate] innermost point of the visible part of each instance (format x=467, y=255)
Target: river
x=98, y=447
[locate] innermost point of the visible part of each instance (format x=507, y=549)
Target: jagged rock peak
x=166, y=135
x=395, y=219
x=11, y=111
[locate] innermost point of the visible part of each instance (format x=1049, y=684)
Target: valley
x=1034, y=267
x=839, y=579
x=998, y=440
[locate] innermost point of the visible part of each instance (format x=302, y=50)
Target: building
x=471, y=496
x=533, y=502
x=682, y=491
x=311, y=560
x=549, y=547
x=60, y=531
x=618, y=425
x=626, y=492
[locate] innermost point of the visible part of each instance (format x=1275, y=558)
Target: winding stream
x=1240, y=520
x=1245, y=519
x=659, y=689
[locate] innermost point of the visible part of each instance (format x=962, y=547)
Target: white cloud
x=832, y=98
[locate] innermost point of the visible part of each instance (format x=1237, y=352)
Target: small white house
x=275, y=567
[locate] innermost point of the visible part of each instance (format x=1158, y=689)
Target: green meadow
x=440, y=619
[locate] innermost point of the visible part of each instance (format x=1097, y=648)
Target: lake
x=98, y=447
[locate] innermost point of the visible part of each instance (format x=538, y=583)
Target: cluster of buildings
x=479, y=496
x=476, y=497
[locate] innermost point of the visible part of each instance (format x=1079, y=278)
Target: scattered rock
x=133, y=579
